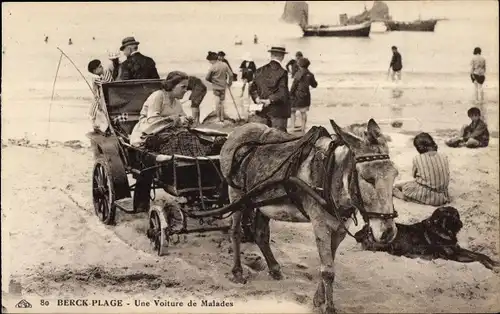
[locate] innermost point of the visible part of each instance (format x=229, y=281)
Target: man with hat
x=270, y=88
x=137, y=66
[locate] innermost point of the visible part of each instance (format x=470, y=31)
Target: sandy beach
x=57, y=247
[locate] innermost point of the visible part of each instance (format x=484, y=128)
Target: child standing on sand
x=104, y=75
x=431, y=173
x=221, y=77
x=474, y=135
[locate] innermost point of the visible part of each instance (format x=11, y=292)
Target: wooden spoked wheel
x=103, y=193
x=157, y=233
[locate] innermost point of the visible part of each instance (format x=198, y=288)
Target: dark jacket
x=198, y=91
x=300, y=95
x=478, y=130
x=271, y=82
x=248, y=70
x=396, y=61
x=138, y=66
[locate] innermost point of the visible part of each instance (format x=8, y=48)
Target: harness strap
x=291, y=192
x=332, y=207
x=272, y=201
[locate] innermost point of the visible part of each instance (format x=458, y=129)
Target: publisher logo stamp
x=23, y=304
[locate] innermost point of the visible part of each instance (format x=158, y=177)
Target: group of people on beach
x=162, y=114
x=267, y=85
x=477, y=70
x=430, y=169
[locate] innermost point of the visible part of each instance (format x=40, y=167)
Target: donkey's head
x=372, y=179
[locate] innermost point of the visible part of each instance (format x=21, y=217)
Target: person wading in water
x=477, y=74
x=396, y=64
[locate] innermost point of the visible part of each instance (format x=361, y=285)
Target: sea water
x=353, y=85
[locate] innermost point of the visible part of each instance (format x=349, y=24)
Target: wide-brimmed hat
x=278, y=49
x=127, y=41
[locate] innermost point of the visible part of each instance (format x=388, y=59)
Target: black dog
x=432, y=238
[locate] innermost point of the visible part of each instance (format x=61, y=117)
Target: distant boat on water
x=297, y=12
x=354, y=30
x=415, y=26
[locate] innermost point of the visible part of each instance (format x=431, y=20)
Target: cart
x=195, y=180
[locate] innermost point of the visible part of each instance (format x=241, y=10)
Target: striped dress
x=432, y=176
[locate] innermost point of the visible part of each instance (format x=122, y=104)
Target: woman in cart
x=163, y=124
x=163, y=128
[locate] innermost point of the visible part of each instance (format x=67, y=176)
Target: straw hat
x=113, y=55
x=278, y=49
x=127, y=41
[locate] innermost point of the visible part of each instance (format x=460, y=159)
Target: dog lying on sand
x=432, y=238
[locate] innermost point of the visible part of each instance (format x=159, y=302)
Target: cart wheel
x=103, y=192
x=157, y=233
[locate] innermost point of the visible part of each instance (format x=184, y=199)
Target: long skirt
x=424, y=195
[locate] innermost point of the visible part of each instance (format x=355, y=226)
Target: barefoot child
x=473, y=135
x=221, y=78
x=431, y=173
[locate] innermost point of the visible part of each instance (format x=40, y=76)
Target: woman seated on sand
x=431, y=172
x=163, y=124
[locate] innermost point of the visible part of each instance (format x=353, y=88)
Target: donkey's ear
x=373, y=131
x=349, y=139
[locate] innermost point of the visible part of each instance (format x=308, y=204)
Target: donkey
x=360, y=177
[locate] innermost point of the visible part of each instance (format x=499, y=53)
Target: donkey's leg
x=236, y=239
x=327, y=240
x=323, y=241
x=262, y=237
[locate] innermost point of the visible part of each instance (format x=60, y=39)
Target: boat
x=415, y=26
x=297, y=12
x=354, y=30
